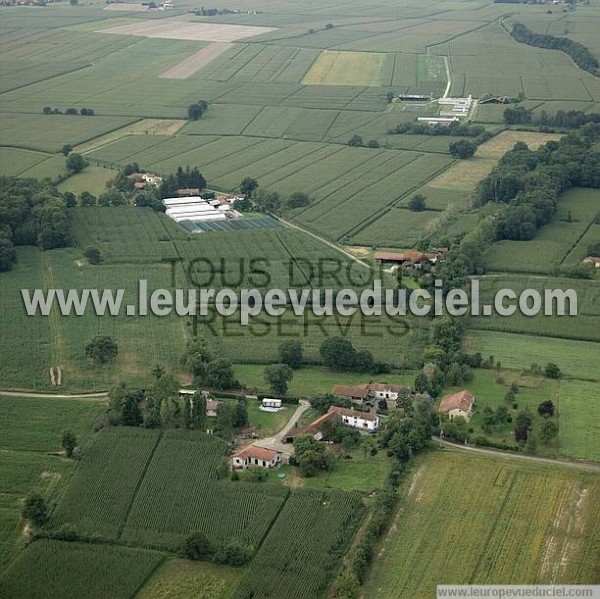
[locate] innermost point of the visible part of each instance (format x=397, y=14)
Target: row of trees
x=70, y=111
x=567, y=119
x=31, y=213
x=256, y=198
x=356, y=141
x=581, y=55
x=455, y=129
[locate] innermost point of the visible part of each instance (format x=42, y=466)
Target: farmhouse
x=356, y=393
x=354, y=419
x=408, y=258
x=369, y=392
x=458, y=404
x=212, y=405
x=314, y=429
x=593, y=260
x=252, y=455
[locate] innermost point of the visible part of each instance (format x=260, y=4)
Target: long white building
x=195, y=209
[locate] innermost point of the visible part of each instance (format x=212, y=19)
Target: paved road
x=34, y=394
x=587, y=466
x=275, y=442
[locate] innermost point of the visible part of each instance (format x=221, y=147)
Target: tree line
x=566, y=119
x=581, y=55
x=69, y=111
x=32, y=212
x=527, y=183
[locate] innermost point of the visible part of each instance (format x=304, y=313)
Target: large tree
x=69, y=442
x=101, y=350
x=462, y=149
x=277, y=377
x=35, y=510
x=219, y=374
x=338, y=353
x=290, y=353
x=76, y=163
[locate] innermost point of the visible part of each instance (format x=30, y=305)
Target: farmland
x=346, y=68
x=530, y=515
x=301, y=97
x=88, y=571
x=303, y=548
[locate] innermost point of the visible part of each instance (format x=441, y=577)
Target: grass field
x=313, y=380
x=346, y=68
x=181, y=579
x=578, y=403
x=47, y=568
x=488, y=521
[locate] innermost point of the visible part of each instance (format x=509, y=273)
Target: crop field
x=125, y=234
x=37, y=424
x=154, y=465
x=542, y=521
x=50, y=132
x=104, y=485
x=183, y=469
x=16, y=162
x=346, y=68
x=25, y=360
x=181, y=30
x=579, y=403
x=47, y=568
x=581, y=327
x=576, y=359
x=303, y=548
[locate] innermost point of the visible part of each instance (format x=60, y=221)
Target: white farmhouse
x=361, y=420
x=252, y=455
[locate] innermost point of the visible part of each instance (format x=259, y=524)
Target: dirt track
x=190, y=65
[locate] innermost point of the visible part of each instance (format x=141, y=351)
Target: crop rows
x=299, y=557
x=48, y=568
x=520, y=520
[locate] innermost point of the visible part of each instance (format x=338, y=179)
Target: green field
x=346, y=68
x=302, y=550
x=578, y=404
x=30, y=434
x=88, y=571
x=124, y=489
x=576, y=359
x=315, y=381
x=488, y=521
x=181, y=579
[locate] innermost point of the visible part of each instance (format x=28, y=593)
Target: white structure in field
x=267, y=402
x=196, y=209
x=456, y=107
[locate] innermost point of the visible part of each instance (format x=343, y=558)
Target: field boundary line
x=377, y=215
x=586, y=466
x=322, y=240
x=138, y=485
x=69, y=72
x=574, y=245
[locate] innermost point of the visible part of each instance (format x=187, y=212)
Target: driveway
x=275, y=442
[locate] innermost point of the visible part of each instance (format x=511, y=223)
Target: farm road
x=587, y=466
x=275, y=442
x=101, y=395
